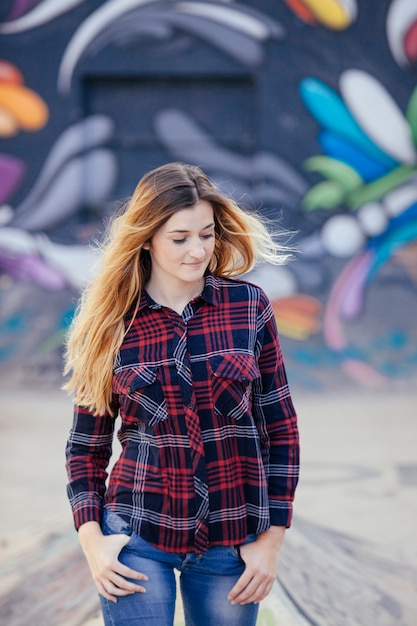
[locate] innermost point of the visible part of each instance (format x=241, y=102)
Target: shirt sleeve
x=276, y=419
x=88, y=453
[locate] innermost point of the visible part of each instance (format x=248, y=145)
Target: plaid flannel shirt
x=208, y=429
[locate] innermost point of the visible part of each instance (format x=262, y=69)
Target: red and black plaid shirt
x=208, y=429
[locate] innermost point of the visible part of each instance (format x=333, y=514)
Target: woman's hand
x=102, y=552
x=261, y=560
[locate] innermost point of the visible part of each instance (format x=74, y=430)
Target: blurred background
x=304, y=110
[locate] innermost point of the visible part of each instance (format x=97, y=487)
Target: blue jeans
x=205, y=581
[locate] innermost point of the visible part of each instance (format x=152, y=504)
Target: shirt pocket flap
x=240, y=367
x=130, y=379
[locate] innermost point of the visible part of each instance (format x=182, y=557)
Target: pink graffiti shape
x=32, y=269
x=352, y=298
x=364, y=374
x=21, y=7
x=410, y=43
x=11, y=172
x=345, y=296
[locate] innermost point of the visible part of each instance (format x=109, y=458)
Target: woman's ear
x=146, y=245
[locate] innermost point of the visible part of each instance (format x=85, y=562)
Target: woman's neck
x=174, y=296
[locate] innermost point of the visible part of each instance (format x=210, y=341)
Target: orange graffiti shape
x=298, y=316
x=20, y=107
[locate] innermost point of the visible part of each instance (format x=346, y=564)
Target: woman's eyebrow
x=179, y=230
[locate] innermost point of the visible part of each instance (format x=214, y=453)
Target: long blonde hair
x=98, y=327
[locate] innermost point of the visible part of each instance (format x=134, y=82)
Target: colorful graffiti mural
x=288, y=106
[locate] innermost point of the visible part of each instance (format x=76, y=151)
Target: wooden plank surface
x=326, y=578
x=359, y=476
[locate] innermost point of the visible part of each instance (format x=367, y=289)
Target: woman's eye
x=178, y=240
x=209, y=236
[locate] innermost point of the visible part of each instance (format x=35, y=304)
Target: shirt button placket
x=196, y=446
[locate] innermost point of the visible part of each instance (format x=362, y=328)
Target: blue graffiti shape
x=10, y=329
x=330, y=111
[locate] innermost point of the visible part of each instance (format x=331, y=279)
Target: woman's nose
x=197, y=251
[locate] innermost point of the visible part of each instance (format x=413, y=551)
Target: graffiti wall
x=305, y=110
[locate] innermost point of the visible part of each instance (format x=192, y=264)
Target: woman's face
x=181, y=249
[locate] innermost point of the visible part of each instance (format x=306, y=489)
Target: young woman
x=190, y=360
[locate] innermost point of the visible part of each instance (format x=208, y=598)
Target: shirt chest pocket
x=140, y=394
x=232, y=377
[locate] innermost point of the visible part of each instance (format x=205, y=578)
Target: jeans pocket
x=249, y=539
x=236, y=553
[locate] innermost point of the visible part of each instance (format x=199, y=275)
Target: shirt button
x=190, y=405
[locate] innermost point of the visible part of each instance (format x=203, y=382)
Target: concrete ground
x=350, y=558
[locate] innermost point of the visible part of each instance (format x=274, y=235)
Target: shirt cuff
x=280, y=513
x=87, y=511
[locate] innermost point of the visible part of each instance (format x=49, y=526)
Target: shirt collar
x=210, y=293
